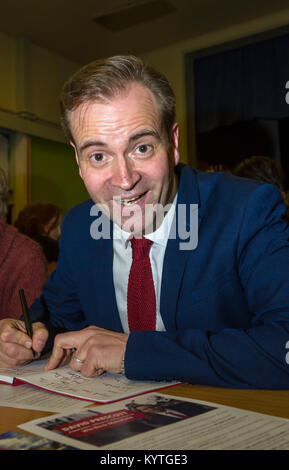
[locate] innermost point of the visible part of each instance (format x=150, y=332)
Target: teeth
x=127, y=202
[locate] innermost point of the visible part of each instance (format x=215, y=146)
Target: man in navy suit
x=220, y=297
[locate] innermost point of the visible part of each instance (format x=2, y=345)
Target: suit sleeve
x=235, y=358
x=59, y=306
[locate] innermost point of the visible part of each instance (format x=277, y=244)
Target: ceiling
x=83, y=30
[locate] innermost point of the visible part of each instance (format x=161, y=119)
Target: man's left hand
x=97, y=350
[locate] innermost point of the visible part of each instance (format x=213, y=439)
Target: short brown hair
x=262, y=168
x=32, y=219
x=105, y=78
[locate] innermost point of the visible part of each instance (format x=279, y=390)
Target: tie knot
x=140, y=247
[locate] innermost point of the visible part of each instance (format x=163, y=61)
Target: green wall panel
x=54, y=174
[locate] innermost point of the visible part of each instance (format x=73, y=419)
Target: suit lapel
x=175, y=258
x=107, y=307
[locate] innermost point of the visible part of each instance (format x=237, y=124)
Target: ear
x=76, y=157
x=175, y=144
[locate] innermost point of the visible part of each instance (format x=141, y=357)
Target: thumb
x=40, y=336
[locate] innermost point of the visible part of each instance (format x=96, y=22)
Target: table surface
x=275, y=403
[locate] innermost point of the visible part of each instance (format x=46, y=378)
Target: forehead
x=125, y=113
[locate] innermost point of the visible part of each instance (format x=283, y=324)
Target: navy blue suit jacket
x=225, y=304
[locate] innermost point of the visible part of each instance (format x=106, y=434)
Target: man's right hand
x=15, y=344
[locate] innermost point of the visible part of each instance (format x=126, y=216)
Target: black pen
x=27, y=321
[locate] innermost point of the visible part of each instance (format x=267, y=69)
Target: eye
x=144, y=149
x=97, y=157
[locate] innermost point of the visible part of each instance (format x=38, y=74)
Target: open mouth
x=130, y=200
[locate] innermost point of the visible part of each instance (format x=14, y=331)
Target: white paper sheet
x=31, y=398
x=209, y=427
x=104, y=388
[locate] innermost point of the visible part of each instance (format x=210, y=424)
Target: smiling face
x=124, y=156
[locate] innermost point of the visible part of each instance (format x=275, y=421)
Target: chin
x=136, y=228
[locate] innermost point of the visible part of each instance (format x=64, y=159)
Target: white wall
x=30, y=81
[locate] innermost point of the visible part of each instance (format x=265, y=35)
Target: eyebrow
x=133, y=138
x=92, y=143
x=144, y=133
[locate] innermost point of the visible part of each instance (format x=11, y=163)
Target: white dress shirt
x=122, y=259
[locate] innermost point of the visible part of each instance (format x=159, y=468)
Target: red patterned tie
x=141, y=298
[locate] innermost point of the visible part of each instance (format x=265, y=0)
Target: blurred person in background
x=41, y=221
x=22, y=263
x=266, y=170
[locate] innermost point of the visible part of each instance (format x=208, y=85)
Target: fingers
x=55, y=359
x=87, y=367
x=13, y=355
x=97, y=350
x=40, y=336
x=101, y=352
x=15, y=344
x=14, y=331
x=63, y=344
x=58, y=359
x=84, y=361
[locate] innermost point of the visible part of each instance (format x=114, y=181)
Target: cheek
x=92, y=181
x=159, y=173
x=97, y=185
x=55, y=233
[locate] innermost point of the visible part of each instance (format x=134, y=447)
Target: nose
x=124, y=174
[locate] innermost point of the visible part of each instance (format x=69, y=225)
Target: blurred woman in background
x=42, y=221
x=265, y=169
